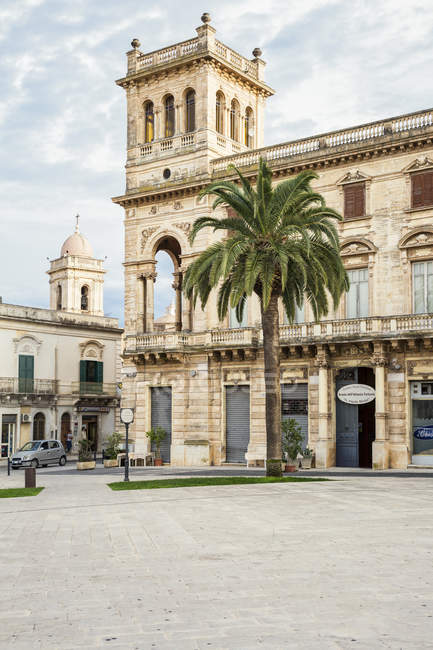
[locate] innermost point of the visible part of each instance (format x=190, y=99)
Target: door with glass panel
x=423, y=287
x=7, y=436
x=357, y=296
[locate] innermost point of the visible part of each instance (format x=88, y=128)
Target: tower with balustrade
x=193, y=109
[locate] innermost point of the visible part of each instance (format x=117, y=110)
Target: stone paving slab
x=338, y=565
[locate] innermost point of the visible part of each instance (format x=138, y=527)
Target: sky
x=333, y=63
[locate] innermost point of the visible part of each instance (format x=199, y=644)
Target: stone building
x=60, y=366
x=193, y=109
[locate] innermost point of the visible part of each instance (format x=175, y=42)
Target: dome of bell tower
x=76, y=244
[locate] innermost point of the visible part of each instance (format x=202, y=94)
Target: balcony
x=90, y=388
x=376, y=327
x=16, y=386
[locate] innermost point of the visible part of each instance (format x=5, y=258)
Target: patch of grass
x=10, y=493
x=207, y=480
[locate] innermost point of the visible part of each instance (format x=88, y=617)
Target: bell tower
x=77, y=277
x=188, y=104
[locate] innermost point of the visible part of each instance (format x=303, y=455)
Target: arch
x=59, y=297
x=169, y=116
x=170, y=245
x=189, y=110
x=357, y=246
x=220, y=103
x=39, y=426
x=421, y=236
x=249, y=127
x=234, y=120
x=91, y=349
x=149, y=121
x=150, y=247
x=84, y=298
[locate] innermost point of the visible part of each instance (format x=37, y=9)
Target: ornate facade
x=193, y=109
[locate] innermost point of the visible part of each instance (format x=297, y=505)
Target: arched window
x=84, y=298
x=39, y=426
x=220, y=105
x=169, y=116
x=149, y=122
x=59, y=296
x=234, y=120
x=190, y=111
x=249, y=128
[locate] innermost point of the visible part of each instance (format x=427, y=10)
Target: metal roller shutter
x=237, y=423
x=294, y=404
x=160, y=398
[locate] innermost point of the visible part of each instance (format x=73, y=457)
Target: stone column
x=177, y=286
x=141, y=303
x=324, y=442
x=381, y=443
x=149, y=308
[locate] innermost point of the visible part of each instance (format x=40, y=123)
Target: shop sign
x=356, y=394
x=93, y=409
x=423, y=433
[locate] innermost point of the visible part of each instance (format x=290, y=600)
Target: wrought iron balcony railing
x=18, y=385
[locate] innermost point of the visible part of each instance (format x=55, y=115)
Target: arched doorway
x=355, y=422
x=65, y=427
x=39, y=426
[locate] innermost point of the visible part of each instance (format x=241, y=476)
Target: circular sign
x=127, y=415
x=356, y=394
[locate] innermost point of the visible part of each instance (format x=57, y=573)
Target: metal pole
x=9, y=466
x=127, y=455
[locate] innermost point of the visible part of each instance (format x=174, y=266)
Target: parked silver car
x=39, y=452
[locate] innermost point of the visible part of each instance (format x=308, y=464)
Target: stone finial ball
x=205, y=18
x=135, y=43
x=257, y=52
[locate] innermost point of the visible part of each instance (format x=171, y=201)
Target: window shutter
x=417, y=190
x=83, y=368
x=428, y=188
x=354, y=200
x=99, y=372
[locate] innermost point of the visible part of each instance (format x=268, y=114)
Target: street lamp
x=127, y=417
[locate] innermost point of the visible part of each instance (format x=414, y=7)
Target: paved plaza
x=341, y=564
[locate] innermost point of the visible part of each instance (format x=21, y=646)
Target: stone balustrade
x=338, y=330
x=140, y=61
x=365, y=133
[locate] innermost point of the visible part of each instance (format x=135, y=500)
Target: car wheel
x=62, y=460
x=35, y=463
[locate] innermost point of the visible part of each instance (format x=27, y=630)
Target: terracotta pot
x=291, y=468
x=158, y=462
x=90, y=464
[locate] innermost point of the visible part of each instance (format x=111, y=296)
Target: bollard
x=9, y=466
x=30, y=477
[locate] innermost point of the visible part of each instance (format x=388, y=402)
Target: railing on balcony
x=186, y=48
x=92, y=388
x=168, y=144
x=363, y=133
x=375, y=326
x=26, y=386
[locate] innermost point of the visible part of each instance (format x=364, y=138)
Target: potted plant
x=156, y=436
x=85, y=455
x=307, y=458
x=112, y=449
x=291, y=443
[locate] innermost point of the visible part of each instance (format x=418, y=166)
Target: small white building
x=59, y=367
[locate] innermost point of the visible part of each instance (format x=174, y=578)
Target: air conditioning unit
x=25, y=417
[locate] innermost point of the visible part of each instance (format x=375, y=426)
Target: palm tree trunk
x=271, y=347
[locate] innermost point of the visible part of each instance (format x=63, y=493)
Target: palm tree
x=281, y=243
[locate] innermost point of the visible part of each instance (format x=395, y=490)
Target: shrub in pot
x=156, y=436
x=307, y=458
x=112, y=449
x=85, y=455
x=291, y=443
